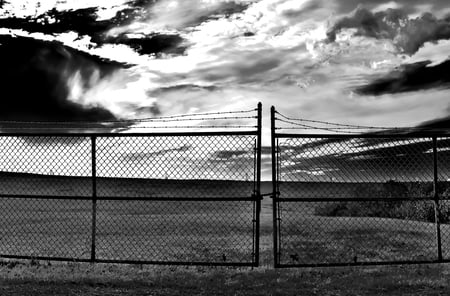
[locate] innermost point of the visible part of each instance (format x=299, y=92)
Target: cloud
x=178, y=15
x=228, y=155
x=153, y=44
x=407, y=34
x=442, y=125
x=228, y=55
x=410, y=77
x=409, y=6
x=182, y=87
x=356, y=160
x=34, y=76
x=84, y=22
x=435, y=52
x=140, y=156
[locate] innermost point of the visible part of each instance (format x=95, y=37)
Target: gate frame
x=276, y=199
x=256, y=196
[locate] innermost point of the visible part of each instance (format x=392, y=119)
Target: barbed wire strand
x=309, y=127
x=337, y=124
x=347, y=130
x=146, y=119
x=79, y=123
x=135, y=127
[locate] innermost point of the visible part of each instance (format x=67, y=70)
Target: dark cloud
x=62, y=141
x=244, y=70
x=228, y=154
x=407, y=34
x=410, y=6
x=152, y=44
x=84, y=22
x=181, y=87
x=441, y=125
x=154, y=109
x=34, y=81
x=410, y=77
x=139, y=156
x=377, y=159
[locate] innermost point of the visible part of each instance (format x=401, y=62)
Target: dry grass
x=86, y=279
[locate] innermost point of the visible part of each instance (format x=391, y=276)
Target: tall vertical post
x=258, y=182
x=274, y=186
x=436, y=198
x=94, y=195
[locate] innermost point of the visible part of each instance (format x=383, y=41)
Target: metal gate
x=358, y=199
x=153, y=198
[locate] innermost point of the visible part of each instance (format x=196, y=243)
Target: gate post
x=274, y=187
x=436, y=199
x=94, y=196
x=258, y=183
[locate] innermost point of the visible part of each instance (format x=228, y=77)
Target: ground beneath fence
x=39, y=278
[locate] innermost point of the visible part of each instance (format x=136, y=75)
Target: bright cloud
x=26, y=8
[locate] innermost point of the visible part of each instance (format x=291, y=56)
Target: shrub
x=401, y=209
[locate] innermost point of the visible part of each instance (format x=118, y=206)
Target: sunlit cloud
x=27, y=8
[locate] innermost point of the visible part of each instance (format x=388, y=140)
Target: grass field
x=198, y=231
x=310, y=239
x=202, y=231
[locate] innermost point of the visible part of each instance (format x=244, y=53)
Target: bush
x=409, y=209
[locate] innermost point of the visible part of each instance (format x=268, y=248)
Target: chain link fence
x=160, y=198
x=360, y=199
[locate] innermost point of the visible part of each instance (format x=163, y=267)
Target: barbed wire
x=172, y=118
x=87, y=124
x=299, y=126
x=309, y=127
x=348, y=128
x=193, y=126
x=337, y=125
x=132, y=127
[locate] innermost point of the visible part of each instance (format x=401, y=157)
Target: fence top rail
x=362, y=136
x=129, y=135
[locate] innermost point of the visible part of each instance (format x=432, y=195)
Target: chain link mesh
x=186, y=166
x=443, y=163
x=187, y=231
x=45, y=228
x=45, y=166
x=311, y=235
x=354, y=200
x=443, y=158
x=170, y=199
x=322, y=167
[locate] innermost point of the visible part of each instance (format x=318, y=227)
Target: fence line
x=366, y=199
x=190, y=198
x=194, y=198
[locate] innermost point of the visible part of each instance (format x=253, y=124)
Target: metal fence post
x=94, y=196
x=258, y=183
x=436, y=199
x=274, y=187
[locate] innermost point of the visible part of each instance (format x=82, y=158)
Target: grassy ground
x=30, y=278
x=307, y=238
x=209, y=231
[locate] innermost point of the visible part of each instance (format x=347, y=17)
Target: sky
x=360, y=62
x=379, y=63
